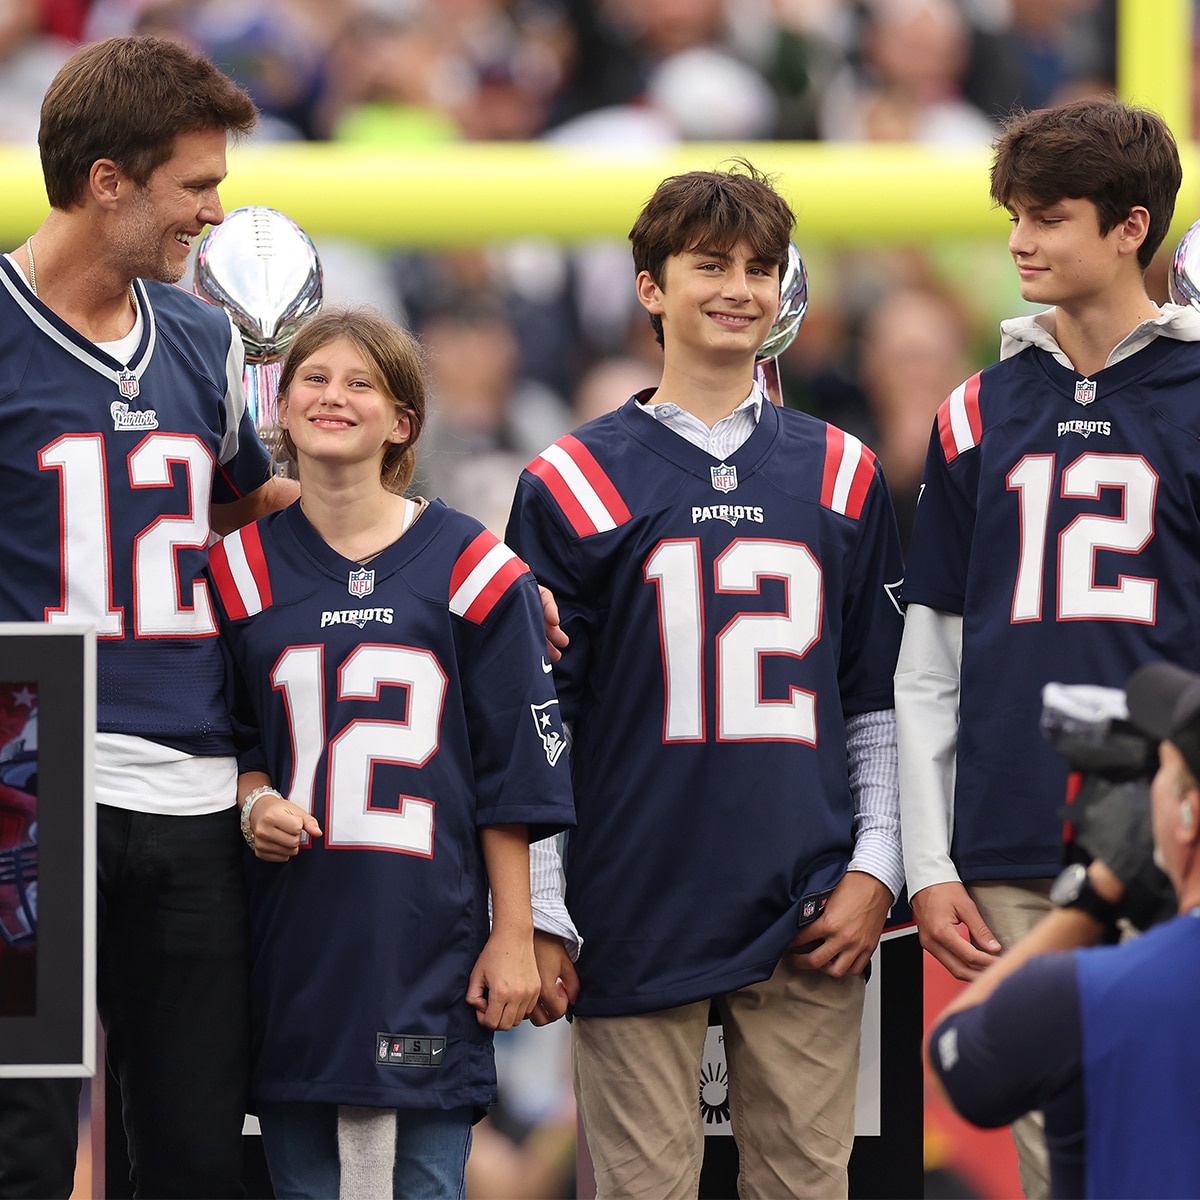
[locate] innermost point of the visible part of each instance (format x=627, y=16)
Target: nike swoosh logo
x=546, y=666
x=435, y=1052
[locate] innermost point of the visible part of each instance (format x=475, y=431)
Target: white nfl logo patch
x=1085, y=391
x=127, y=382
x=361, y=583
x=724, y=478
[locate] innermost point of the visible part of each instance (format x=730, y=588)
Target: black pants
x=171, y=989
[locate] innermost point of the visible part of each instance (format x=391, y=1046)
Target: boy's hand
x=559, y=982
x=939, y=910
x=278, y=824
x=842, y=939
x=504, y=984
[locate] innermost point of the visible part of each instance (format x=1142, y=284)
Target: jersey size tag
x=408, y=1050
x=812, y=906
x=1085, y=391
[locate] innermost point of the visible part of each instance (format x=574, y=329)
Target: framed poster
x=47, y=850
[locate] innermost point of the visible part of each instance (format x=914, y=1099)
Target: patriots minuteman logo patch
x=724, y=478
x=548, y=722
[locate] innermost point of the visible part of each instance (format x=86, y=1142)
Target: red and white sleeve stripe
x=588, y=498
x=849, y=469
x=485, y=570
x=959, y=424
x=239, y=568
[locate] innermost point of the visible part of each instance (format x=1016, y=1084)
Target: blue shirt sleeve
x=1020, y=1051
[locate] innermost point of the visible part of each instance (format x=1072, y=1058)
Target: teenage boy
x=722, y=567
x=126, y=440
x=1057, y=533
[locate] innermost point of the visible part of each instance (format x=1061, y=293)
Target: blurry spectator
x=809, y=42
x=908, y=85
x=609, y=383
x=277, y=52
x=113, y=18
x=915, y=351
x=486, y=421
x=697, y=63
x=33, y=45
x=479, y=69
x=1028, y=54
x=708, y=94
x=390, y=84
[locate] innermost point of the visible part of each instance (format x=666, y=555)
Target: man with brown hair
x=721, y=566
x=1056, y=536
x=126, y=442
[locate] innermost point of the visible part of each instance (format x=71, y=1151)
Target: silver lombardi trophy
x=793, y=304
x=263, y=269
x=1184, y=282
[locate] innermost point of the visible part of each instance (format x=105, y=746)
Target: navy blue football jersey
x=725, y=620
x=405, y=704
x=107, y=476
x=1061, y=518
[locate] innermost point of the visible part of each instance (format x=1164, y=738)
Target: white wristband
x=254, y=796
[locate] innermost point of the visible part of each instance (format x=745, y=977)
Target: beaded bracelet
x=257, y=794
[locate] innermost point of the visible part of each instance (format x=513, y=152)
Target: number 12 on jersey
x=743, y=714
x=1078, y=595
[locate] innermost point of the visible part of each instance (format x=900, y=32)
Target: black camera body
x=1107, y=813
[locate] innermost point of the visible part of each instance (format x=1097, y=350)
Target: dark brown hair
x=714, y=210
x=128, y=99
x=398, y=363
x=1096, y=149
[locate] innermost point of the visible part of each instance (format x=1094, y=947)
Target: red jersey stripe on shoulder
x=849, y=469
x=579, y=484
x=239, y=567
x=484, y=572
x=959, y=424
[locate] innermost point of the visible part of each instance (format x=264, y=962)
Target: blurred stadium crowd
x=526, y=340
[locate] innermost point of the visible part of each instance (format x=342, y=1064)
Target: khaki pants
x=1011, y=909
x=791, y=1043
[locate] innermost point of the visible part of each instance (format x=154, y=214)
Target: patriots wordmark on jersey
x=725, y=620
x=404, y=716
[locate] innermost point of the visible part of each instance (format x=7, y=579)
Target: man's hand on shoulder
x=842, y=939
x=556, y=639
x=939, y=911
x=277, y=492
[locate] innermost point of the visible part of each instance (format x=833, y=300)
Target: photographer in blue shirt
x=1101, y=1038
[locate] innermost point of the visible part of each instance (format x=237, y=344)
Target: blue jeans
x=301, y=1144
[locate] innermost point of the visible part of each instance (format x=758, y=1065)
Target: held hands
x=939, y=910
x=278, y=824
x=842, y=939
x=559, y=982
x=504, y=985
